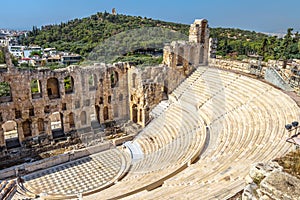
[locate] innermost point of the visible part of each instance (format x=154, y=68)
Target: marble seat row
x=245, y=119
x=6, y=188
x=159, y=109
x=254, y=134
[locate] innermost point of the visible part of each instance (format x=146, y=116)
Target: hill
x=81, y=36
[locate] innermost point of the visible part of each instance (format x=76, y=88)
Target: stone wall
x=186, y=55
x=52, y=161
x=100, y=93
x=48, y=104
x=242, y=66
x=94, y=94
x=148, y=87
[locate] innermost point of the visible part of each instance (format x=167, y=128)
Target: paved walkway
x=79, y=176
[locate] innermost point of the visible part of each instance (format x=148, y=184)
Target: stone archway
x=26, y=126
x=83, y=118
x=141, y=115
x=105, y=113
x=57, y=128
x=92, y=82
x=134, y=113
x=11, y=136
x=97, y=109
x=41, y=126
x=53, y=88
x=36, y=89
x=69, y=84
x=5, y=94
x=71, y=120
x=114, y=79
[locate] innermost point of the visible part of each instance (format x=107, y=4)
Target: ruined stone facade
x=98, y=93
x=184, y=55
x=47, y=104
x=148, y=87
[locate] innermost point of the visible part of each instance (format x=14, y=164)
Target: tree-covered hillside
x=83, y=35
x=237, y=43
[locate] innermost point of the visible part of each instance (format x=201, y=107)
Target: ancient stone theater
x=184, y=129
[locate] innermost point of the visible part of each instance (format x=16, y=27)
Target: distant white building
x=71, y=59
x=49, y=52
x=30, y=49
x=17, y=51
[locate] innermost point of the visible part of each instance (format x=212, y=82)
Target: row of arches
x=137, y=114
x=105, y=113
x=36, y=88
x=52, y=87
x=56, y=124
x=12, y=130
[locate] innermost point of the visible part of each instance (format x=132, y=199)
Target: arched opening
x=101, y=100
x=36, y=90
x=141, y=115
x=53, y=88
x=134, y=113
x=56, y=119
x=69, y=84
x=41, y=126
x=97, y=108
x=134, y=80
x=71, y=120
x=114, y=79
x=203, y=29
x=172, y=58
x=105, y=113
x=11, y=135
x=83, y=118
x=26, y=126
x=165, y=90
x=92, y=82
x=5, y=92
x=180, y=56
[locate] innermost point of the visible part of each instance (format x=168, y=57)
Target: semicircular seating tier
x=82, y=176
x=201, y=147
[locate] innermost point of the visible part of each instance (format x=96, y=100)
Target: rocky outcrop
x=280, y=185
x=268, y=181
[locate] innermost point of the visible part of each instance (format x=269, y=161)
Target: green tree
x=2, y=57
x=286, y=46
x=4, y=89
x=33, y=53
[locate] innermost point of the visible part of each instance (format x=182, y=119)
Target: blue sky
x=258, y=15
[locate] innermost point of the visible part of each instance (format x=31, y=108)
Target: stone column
x=47, y=124
x=66, y=122
x=20, y=131
x=2, y=139
x=34, y=127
